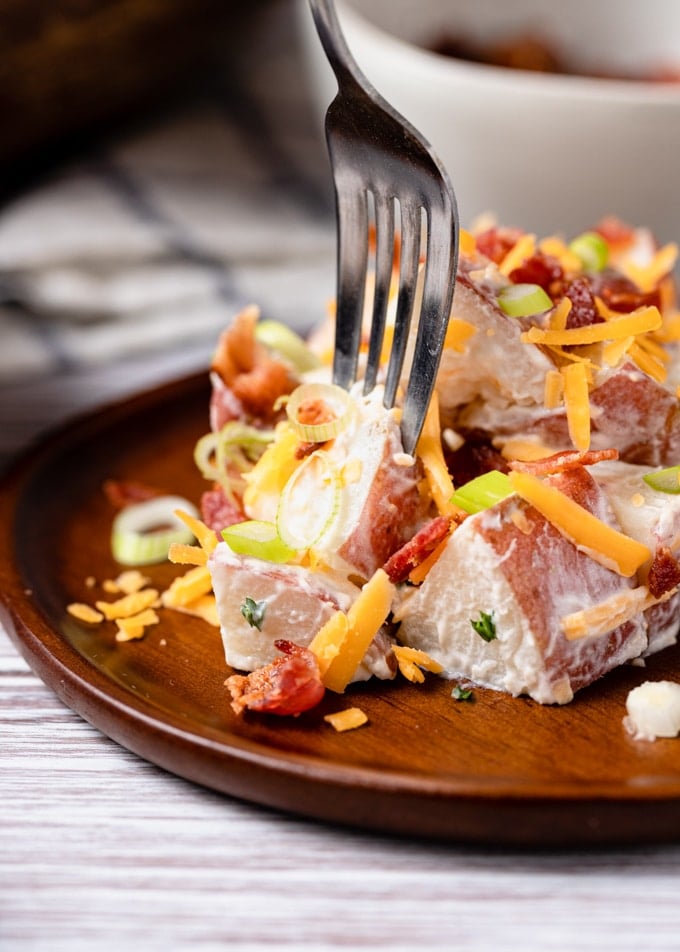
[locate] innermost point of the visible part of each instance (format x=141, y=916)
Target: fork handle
x=337, y=51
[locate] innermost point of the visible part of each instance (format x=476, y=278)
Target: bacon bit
x=541, y=269
x=615, y=232
x=664, y=572
x=255, y=379
x=313, y=412
x=287, y=686
x=559, y=462
x=303, y=450
x=621, y=295
x=259, y=388
x=495, y=243
x=583, y=310
x=219, y=511
x=126, y=492
x=417, y=549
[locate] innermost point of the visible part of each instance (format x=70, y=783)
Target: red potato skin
x=540, y=564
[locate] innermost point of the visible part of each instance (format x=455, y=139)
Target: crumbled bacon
x=288, y=686
x=664, y=572
x=583, y=310
x=126, y=492
x=560, y=462
x=496, y=242
x=615, y=232
x=539, y=269
x=620, y=294
x=218, y=510
x=399, y=566
x=244, y=365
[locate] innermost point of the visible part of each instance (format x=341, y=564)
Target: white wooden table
x=100, y=850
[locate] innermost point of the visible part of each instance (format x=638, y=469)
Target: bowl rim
x=545, y=85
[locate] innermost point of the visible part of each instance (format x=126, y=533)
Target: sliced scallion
x=592, y=250
x=482, y=492
x=523, y=300
x=143, y=532
x=258, y=539
x=283, y=339
x=309, y=502
x=223, y=456
x=331, y=403
x=665, y=480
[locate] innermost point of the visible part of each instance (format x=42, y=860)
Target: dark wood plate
x=494, y=771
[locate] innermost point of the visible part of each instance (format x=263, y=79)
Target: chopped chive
x=484, y=626
x=254, y=612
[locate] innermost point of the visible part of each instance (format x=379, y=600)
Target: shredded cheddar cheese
x=553, y=389
x=457, y=334
x=206, y=536
x=647, y=277
x=182, y=554
x=84, y=613
x=577, y=403
x=188, y=587
x=605, y=617
x=134, y=627
x=347, y=720
x=559, y=315
x=128, y=605
x=351, y=634
x=556, y=248
x=411, y=661
x=640, y=321
x=467, y=242
x=523, y=248
x=601, y=542
x=430, y=451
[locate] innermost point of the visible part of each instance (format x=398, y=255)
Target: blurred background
x=161, y=167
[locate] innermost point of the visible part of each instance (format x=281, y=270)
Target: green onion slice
x=665, y=480
x=224, y=456
x=592, y=250
x=281, y=338
x=482, y=492
x=523, y=300
x=309, y=502
x=336, y=400
x=258, y=539
x=143, y=532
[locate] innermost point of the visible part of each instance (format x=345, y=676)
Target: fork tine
x=439, y=279
x=408, y=275
x=352, y=217
x=384, y=259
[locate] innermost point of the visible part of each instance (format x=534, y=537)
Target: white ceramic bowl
x=546, y=152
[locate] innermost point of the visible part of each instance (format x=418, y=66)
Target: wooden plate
x=495, y=770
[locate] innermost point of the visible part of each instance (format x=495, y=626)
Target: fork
x=384, y=170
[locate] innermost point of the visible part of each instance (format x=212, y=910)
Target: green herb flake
x=461, y=693
x=254, y=612
x=484, y=626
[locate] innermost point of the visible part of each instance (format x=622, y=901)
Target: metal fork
x=383, y=168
